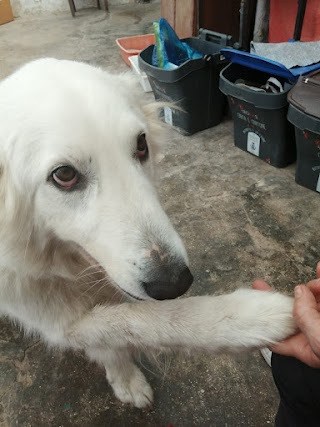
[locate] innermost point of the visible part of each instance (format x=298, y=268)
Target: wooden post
x=182, y=15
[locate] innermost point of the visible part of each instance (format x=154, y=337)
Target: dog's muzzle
x=170, y=283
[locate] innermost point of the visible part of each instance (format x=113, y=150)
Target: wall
x=29, y=7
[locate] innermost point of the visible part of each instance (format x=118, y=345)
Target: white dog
x=81, y=228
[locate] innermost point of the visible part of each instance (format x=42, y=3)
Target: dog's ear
x=8, y=202
x=129, y=83
x=2, y=179
x=128, y=79
x=160, y=133
x=3, y=187
x=3, y=182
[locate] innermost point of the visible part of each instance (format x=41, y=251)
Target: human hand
x=305, y=345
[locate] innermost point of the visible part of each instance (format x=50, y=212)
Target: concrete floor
x=240, y=219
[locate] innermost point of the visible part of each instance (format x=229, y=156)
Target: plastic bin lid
x=303, y=121
x=266, y=65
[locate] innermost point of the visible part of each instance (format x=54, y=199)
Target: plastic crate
x=193, y=87
x=143, y=78
x=130, y=46
x=260, y=119
x=307, y=130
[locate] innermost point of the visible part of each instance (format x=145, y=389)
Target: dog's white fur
x=67, y=258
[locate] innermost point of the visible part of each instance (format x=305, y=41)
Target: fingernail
x=298, y=291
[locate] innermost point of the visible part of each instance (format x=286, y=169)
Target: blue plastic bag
x=169, y=51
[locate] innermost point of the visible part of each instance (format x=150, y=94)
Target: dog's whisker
x=93, y=267
x=88, y=290
x=95, y=281
x=89, y=287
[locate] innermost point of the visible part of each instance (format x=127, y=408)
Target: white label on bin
x=318, y=185
x=253, y=143
x=168, y=115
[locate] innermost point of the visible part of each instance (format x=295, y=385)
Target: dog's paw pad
x=134, y=390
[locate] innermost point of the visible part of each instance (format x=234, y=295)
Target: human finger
x=297, y=346
x=318, y=270
x=307, y=316
x=261, y=285
x=314, y=286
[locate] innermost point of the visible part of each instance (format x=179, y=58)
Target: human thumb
x=306, y=314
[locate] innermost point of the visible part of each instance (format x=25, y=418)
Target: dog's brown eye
x=142, y=152
x=65, y=176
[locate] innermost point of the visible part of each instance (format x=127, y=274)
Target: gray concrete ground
x=240, y=219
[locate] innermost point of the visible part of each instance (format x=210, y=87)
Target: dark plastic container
x=307, y=130
x=193, y=87
x=260, y=119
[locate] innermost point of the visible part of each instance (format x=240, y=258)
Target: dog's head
x=77, y=149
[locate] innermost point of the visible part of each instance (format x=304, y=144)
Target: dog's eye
x=142, y=152
x=65, y=176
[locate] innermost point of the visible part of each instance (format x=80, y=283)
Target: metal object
x=300, y=17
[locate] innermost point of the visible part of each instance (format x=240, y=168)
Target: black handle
x=299, y=20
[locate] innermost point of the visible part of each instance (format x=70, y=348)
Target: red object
x=283, y=14
x=130, y=46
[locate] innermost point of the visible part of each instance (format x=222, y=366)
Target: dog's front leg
x=245, y=319
x=127, y=381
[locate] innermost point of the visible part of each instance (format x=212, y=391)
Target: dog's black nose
x=169, y=286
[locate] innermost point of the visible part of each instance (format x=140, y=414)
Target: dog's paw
x=247, y=319
x=133, y=389
x=269, y=316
